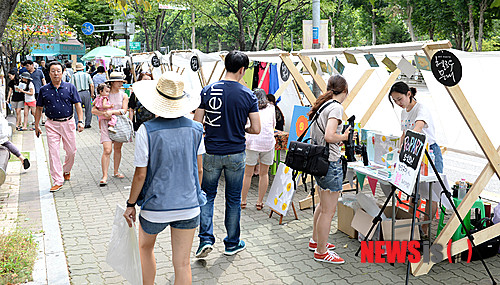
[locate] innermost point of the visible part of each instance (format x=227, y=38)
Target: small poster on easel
x=281, y=192
x=410, y=157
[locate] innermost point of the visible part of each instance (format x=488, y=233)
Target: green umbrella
x=105, y=51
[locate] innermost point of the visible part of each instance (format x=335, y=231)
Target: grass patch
x=26, y=154
x=17, y=257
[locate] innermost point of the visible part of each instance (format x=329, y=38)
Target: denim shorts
x=156, y=228
x=333, y=178
x=438, y=157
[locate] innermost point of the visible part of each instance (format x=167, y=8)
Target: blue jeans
x=233, y=166
x=438, y=158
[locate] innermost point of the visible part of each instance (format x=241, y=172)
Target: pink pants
x=55, y=132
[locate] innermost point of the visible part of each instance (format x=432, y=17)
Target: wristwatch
x=131, y=204
x=80, y=122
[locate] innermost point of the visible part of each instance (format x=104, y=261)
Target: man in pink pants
x=58, y=98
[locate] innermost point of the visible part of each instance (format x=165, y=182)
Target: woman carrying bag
x=328, y=130
x=166, y=183
x=120, y=104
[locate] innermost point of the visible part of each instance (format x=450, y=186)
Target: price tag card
x=410, y=157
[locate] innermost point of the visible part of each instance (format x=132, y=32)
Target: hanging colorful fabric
x=373, y=184
x=264, y=77
x=248, y=77
x=273, y=78
x=361, y=179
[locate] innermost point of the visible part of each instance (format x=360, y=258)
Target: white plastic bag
x=123, y=249
x=496, y=217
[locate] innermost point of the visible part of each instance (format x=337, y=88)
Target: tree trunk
x=7, y=7
x=332, y=33
x=472, y=36
x=409, y=13
x=482, y=8
x=239, y=16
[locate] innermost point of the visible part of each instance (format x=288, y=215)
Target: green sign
x=135, y=45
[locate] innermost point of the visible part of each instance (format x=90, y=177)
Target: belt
x=61, y=119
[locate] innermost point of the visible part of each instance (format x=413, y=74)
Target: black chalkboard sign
x=446, y=68
x=411, y=149
x=284, y=72
x=408, y=166
x=195, y=63
x=155, y=61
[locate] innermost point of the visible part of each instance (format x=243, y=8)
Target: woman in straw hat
x=119, y=100
x=165, y=182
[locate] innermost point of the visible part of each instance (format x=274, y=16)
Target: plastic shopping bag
x=123, y=249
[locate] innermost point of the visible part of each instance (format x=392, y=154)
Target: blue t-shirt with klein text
x=227, y=105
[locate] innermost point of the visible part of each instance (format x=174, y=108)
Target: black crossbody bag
x=306, y=157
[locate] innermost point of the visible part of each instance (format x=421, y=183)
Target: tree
x=373, y=10
x=32, y=21
x=80, y=11
x=7, y=7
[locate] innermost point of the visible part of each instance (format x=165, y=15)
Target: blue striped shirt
x=81, y=80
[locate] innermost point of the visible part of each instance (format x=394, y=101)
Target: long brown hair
x=336, y=85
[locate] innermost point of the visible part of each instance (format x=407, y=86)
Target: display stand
x=281, y=216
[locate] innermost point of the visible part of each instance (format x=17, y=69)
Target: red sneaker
x=314, y=245
x=67, y=176
x=329, y=257
x=55, y=188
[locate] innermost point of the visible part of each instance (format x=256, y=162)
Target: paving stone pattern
x=275, y=254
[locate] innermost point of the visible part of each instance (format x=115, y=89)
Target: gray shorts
x=17, y=104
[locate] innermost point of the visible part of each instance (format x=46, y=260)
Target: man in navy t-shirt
x=225, y=107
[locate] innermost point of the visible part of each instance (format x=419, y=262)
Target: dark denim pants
x=233, y=166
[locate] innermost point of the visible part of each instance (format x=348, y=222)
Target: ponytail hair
x=336, y=85
x=403, y=88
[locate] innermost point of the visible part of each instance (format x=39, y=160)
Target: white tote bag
x=123, y=249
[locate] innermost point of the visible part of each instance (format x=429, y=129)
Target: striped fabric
x=81, y=80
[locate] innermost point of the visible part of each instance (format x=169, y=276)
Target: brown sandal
x=259, y=206
x=243, y=205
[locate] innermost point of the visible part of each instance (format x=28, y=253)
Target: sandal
x=243, y=205
x=103, y=183
x=118, y=175
x=259, y=206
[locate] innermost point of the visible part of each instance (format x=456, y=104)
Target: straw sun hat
x=116, y=76
x=165, y=97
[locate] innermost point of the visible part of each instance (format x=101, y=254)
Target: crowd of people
x=184, y=143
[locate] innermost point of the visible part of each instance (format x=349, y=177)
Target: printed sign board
x=410, y=157
x=446, y=68
x=155, y=61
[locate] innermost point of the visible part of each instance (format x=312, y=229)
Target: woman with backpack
x=137, y=112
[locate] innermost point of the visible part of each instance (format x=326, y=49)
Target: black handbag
x=309, y=158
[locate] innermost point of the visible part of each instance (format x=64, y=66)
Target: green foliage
x=78, y=12
x=394, y=31
x=17, y=257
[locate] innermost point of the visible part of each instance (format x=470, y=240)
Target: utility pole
x=127, y=37
x=193, y=33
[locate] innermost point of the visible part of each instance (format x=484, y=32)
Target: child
x=4, y=141
x=27, y=87
x=102, y=104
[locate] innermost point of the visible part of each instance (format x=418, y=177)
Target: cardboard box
x=345, y=215
x=363, y=221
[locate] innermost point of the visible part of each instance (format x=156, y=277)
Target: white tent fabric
x=479, y=74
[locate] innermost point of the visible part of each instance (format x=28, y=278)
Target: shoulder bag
x=306, y=157
x=124, y=129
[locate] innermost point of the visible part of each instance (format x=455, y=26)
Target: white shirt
x=141, y=160
x=419, y=113
x=264, y=141
x=28, y=98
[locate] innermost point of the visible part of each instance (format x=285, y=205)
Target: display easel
x=281, y=216
x=491, y=168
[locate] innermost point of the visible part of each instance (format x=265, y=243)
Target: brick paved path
x=275, y=254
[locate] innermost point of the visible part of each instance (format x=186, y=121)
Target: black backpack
x=142, y=114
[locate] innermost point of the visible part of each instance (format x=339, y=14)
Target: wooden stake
x=212, y=73
x=299, y=80
x=355, y=90
x=316, y=77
